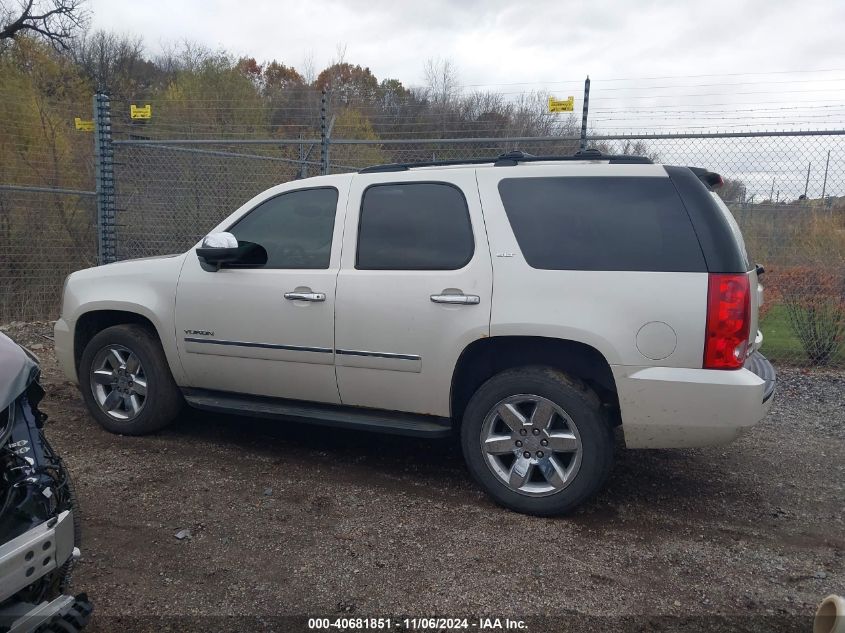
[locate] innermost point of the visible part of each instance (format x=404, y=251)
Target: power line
x=598, y=78
x=744, y=83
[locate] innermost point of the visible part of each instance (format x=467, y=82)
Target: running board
x=376, y=420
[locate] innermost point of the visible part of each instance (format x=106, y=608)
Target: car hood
x=145, y=259
x=142, y=266
x=17, y=370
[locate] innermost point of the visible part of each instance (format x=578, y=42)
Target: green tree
x=212, y=96
x=40, y=94
x=352, y=124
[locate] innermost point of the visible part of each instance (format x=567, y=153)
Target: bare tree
x=733, y=190
x=188, y=56
x=627, y=148
x=340, y=54
x=441, y=78
x=57, y=21
x=309, y=72
x=114, y=62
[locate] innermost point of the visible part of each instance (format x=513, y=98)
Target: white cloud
x=499, y=41
x=510, y=46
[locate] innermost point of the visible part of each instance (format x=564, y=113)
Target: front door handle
x=305, y=296
x=465, y=300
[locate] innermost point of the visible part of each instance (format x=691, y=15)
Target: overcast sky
x=497, y=41
x=661, y=65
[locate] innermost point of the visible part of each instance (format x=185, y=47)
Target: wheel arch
x=484, y=358
x=90, y=323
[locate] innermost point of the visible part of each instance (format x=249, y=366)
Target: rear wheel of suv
x=126, y=381
x=537, y=440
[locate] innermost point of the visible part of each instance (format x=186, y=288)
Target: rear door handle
x=305, y=296
x=466, y=300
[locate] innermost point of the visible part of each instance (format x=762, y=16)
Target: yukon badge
x=199, y=333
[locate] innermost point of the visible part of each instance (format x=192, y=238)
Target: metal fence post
x=303, y=167
x=824, y=184
x=583, y=144
x=104, y=177
x=324, y=136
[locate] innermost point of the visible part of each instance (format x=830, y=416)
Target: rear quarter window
x=734, y=227
x=601, y=223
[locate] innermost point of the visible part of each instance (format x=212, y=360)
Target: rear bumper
x=670, y=407
x=760, y=365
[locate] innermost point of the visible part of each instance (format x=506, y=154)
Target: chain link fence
x=786, y=190
x=46, y=235
x=47, y=201
x=168, y=196
x=171, y=185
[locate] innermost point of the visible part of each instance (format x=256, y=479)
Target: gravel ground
x=288, y=519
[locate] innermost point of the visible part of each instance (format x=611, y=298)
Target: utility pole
x=583, y=144
x=824, y=184
x=772, y=194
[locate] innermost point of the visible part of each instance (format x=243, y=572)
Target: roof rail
x=510, y=159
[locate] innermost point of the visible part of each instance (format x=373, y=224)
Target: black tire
x=163, y=400
x=583, y=408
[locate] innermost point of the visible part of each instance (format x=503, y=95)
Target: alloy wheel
x=531, y=445
x=118, y=382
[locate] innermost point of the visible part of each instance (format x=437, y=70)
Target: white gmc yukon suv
x=527, y=304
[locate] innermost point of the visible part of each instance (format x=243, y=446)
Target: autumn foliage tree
x=50, y=68
x=40, y=147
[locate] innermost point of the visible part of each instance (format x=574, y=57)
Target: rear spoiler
x=710, y=178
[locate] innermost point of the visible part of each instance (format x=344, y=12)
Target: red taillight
x=728, y=321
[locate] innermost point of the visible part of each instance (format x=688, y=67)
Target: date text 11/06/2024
x=416, y=624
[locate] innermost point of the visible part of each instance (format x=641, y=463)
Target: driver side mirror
x=222, y=250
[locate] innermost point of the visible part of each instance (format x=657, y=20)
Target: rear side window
x=601, y=223
x=414, y=226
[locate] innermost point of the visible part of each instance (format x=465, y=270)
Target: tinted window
x=734, y=227
x=295, y=227
x=711, y=227
x=414, y=226
x=614, y=223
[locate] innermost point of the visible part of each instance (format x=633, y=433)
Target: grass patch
x=781, y=345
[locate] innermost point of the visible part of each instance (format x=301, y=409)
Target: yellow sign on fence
x=561, y=105
x=138, y=112
x=83, y=125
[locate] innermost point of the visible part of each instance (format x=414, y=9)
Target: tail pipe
x=830, y=616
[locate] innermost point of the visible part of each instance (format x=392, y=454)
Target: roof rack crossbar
x=510, y=159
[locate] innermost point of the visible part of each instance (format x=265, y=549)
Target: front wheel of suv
x=126, y=382
x=537, y=440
